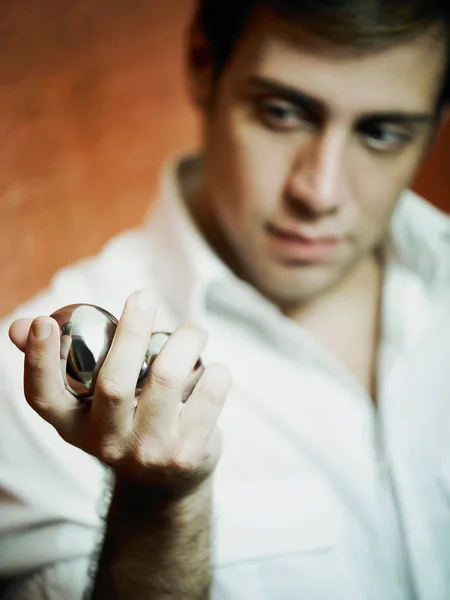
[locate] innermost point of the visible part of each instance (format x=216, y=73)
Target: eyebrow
x=290, y=93
x=310, y=103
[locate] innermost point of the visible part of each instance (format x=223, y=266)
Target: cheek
x=375, y=218
x=253, y=169
x=379, y=186
x=375, y=206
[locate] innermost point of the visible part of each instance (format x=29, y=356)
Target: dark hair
x=357, y=23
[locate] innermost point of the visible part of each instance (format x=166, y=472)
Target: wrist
x=139, y=501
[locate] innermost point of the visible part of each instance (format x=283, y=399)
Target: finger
x=161, y=398
x=43, y=381
x=114, y=397
x=192, y=381
x=199, y=415
x=18, y=333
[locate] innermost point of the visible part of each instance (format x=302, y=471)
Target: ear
x=200, y=66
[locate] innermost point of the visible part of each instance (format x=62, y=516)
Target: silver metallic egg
x=87, y=332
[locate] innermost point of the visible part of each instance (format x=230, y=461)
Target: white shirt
x=319, y=495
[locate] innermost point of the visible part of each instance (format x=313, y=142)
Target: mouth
x=296, y=246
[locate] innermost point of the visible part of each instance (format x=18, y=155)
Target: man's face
x=308, y=148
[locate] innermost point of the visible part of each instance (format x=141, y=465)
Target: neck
x=347, y=321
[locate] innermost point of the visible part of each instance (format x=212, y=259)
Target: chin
x=300, y=297
x=298, y=287
x=298, y=292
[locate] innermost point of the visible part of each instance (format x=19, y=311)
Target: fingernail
x=41, y=329
x=144, y=300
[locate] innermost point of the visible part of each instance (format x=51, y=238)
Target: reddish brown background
x=92, y=100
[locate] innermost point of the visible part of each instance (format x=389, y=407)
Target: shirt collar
x=185, y=267
x=183, y=263
x=419, y=241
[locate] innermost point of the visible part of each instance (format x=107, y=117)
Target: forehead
x=406, y=76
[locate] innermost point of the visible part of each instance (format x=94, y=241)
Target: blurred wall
x=92, y=100
x=433, y=181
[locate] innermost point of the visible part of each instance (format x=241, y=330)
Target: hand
x=156, y=440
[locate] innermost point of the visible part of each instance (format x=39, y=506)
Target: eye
x=385, y=137
x=279, y=114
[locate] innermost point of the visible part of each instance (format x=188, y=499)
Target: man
x=324, y=287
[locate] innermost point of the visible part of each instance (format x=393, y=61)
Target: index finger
x=43, y=380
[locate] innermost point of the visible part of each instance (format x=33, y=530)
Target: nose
x=317, y=183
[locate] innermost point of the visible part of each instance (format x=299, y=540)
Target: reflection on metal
x=87, y=332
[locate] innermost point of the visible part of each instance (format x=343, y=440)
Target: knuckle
x=149, y=456
x=110, y=388
x=164, y=378
x=34, y=363
x=185, y=461
x=37, y=402
x=110, y=453
x=132, y=331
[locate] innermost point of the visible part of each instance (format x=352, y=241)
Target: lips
x=297, y=247
x=291, y=234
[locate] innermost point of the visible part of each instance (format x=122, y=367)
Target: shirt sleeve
x=52, y=495
x=66, y=580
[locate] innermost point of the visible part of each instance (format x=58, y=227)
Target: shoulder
x=105, y=278
x=421, y=236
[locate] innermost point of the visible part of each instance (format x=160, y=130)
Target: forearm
x=156, y=547
x=157, y=541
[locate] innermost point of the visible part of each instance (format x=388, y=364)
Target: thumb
x=18, y=332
